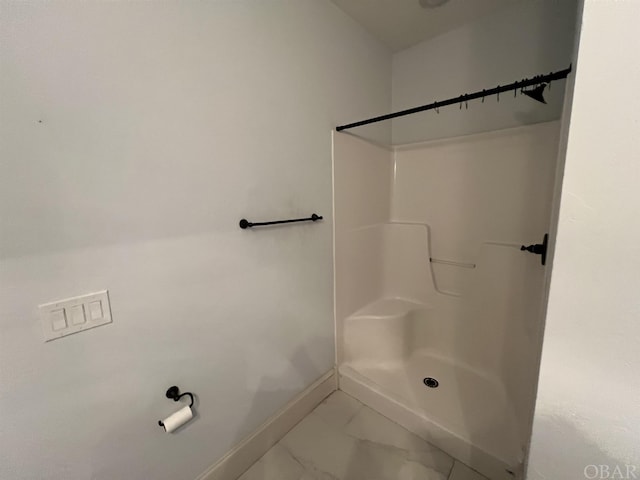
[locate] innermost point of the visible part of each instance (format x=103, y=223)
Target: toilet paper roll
x=178, y=419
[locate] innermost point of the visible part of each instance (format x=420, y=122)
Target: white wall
x=134, y=136
x=588, y=404
x=529, y=38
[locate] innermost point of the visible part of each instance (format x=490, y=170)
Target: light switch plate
x=73, y=315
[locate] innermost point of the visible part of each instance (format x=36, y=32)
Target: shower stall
x=438, y=309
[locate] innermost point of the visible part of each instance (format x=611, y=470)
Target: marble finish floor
x=342, y=439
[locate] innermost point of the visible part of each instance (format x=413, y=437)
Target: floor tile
x=320, y=447
x=338, y=409
x=369, y=425
x=317, y=476
x=462, y=472
x=374, y=461
x=276, y=464
x=345, y=440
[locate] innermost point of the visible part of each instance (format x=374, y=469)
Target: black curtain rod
x=527, y=82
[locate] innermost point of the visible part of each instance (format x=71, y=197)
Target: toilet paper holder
x=174, y=394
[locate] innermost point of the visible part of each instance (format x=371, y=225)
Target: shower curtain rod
x=527, y=82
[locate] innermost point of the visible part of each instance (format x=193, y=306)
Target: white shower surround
x=475, y=327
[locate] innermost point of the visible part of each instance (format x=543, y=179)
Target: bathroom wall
x=526, y=39
x=587, y=419
x=133, y=137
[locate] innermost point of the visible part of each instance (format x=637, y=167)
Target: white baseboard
x=249, y=451
x=371, y=395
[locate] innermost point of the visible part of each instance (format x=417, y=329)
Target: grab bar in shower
x=454, y=264
x=244, y=223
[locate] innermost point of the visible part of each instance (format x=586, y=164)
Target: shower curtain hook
x=483, y=95
x=498, y=94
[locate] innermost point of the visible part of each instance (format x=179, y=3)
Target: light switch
x=95, y=309
x=77, y=315
x=74, y=315
x=58, y=319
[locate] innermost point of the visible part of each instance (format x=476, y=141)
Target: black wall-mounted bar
x=527, y=82
x=244, y=223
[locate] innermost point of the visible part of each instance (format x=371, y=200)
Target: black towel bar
x=244, y=223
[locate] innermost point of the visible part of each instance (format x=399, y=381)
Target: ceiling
x=400, y=24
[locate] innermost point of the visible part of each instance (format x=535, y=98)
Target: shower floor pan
x=467, y=414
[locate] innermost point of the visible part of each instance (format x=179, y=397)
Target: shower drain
x=431, y=382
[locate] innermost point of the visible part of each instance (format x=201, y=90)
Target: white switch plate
x=74, y=315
